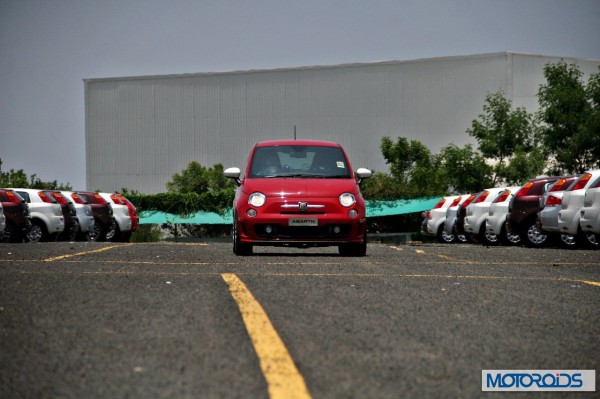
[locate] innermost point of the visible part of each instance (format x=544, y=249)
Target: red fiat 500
x=301, y=194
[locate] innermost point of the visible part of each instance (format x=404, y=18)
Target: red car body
x=297, y=202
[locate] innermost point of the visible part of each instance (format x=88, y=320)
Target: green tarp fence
x=374, y=209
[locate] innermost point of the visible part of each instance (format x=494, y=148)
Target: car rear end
x=572, y=202
x=434, y=219
x=590, y=213
x=121, y=215
x=71, y=229
x=498, y=210
x=83, y=211
x=46, y=215
x=550, y=204
x=16, y=212
x=102, y=212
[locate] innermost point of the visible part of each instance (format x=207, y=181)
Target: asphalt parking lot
x=192, y=320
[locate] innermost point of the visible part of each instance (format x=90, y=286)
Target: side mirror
x=233, y=173
x=363, y=173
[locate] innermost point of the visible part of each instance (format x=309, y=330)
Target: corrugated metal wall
x=142, y=130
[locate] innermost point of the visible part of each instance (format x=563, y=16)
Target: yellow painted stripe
x=396, y=248
x=283, y=378
x=595, y=283
x=420, y=251
x=84, y=253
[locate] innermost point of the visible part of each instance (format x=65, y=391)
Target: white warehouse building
x=142, y=130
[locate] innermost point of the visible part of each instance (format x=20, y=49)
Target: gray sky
x=47, y=47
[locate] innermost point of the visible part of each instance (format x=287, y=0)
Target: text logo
x=538, y=380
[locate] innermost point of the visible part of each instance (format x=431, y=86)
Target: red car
x=300, y=193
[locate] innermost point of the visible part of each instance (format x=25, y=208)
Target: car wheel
x=353, y=249
x=445, y=237
x=568, y=241
x=509, y=238
x=96, y=233
x=533, y=237
x=588, y=240
x=38, y=232
x=113, y=234
x=239, y=248
x=487, y=238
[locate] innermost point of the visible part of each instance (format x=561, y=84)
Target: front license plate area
x=303, y=222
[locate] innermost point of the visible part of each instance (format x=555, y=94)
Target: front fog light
x=336, y=229
x=353, y=213
x=268, y=229
x=251, y=212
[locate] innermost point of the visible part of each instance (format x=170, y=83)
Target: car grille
x=291, y=232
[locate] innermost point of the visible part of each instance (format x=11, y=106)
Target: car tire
x=239, y=248
x=96, y=233
x=38, y=232
x=353, y=249
x=507, y=238
x=568, y=241
x=588, y=240
x=444, y=237
x=486, y=238
x=532, y=237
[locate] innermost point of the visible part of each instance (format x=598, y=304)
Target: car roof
x=272, y=143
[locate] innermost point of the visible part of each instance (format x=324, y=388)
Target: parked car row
x=562, y=210
x=33, y=215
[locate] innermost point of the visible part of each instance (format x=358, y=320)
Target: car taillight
x=440, y=204
x=582, y=182
x=116, y=200
x=44, y=197
x=12, y=197
x=482, y=197
x=558, y=186
x=100, y=199
x=468, y=201
x=428, y=215
x=77, y=199
x=502, y=197
x=553, y=201
x=455, y=202
x=524, y=190
x=61, y=200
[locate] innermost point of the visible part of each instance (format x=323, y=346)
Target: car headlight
x=347, y=200
x=257, y=199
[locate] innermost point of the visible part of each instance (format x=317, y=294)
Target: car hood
x=301, y=187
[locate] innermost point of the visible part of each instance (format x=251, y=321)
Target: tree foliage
x=200, y=179
x=507, y=137
x=20, y=179
x=569, y=111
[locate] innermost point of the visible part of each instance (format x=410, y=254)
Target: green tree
x=569, y=111
x=412, y=166
x=502, y=132
x=465, y=169
x=199, y=179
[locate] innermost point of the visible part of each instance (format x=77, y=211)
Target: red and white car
x=433, y=220
x=570, y=210
x=125, y=216
x=590, y=213
x=299, y=193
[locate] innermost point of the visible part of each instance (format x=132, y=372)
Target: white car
x=123, y=222
x=590, y=213
x=570, y=212
x=451, y=216
x=46, y=215
x=477, y=213
x=433, y=222
x=496, y=220
x=83, y=211
x=550, y=204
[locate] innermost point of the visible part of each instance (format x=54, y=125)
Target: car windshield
x=299, y=161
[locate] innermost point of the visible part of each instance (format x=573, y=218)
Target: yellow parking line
x=283, y=378
x=84, y=253
x=595, y=283
x=396, y=248
x=420, y=251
